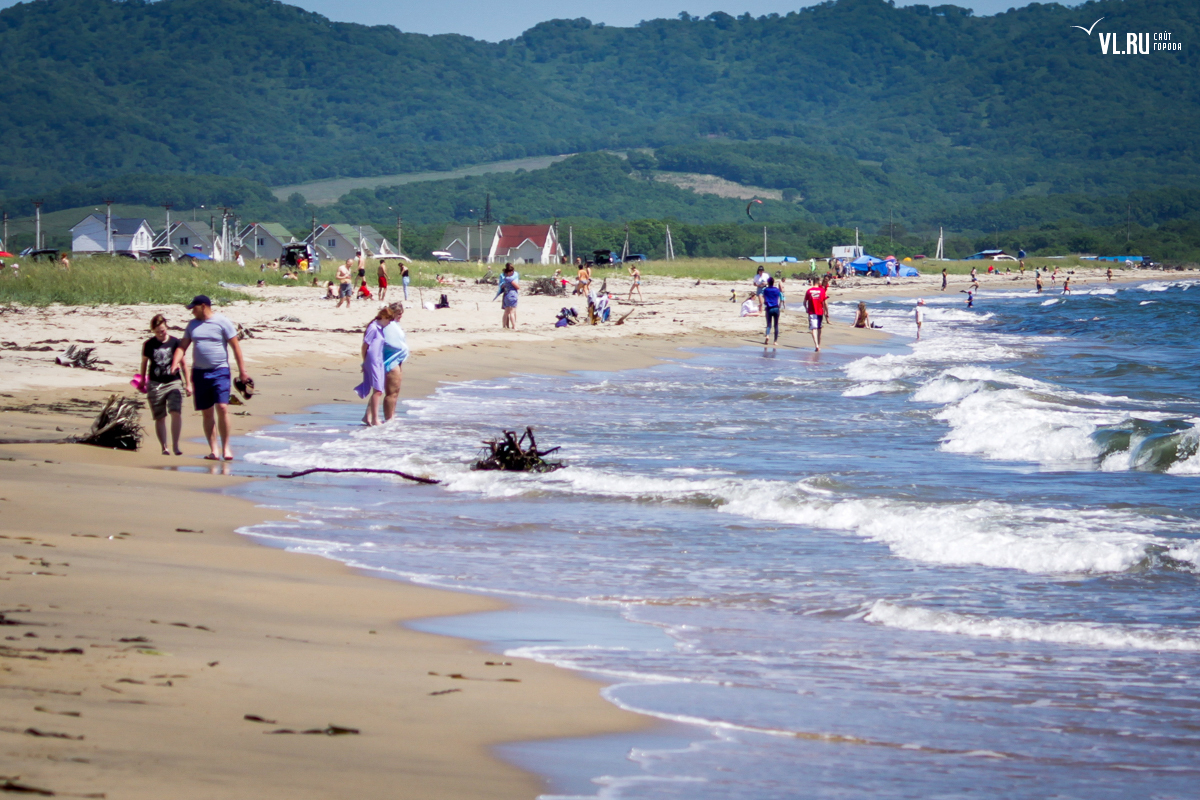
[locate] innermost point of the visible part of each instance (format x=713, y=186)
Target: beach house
x=129, y=235
x=264, y=240
x=526, y=244
x=191, y=238
x=341, y=240
x=457, y=239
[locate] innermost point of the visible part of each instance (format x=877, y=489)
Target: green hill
x=858, y=98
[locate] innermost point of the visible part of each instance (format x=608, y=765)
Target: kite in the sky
x=750, y=205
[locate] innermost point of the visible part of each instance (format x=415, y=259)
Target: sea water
x=964, y=566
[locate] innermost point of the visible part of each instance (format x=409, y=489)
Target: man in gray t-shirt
x=211, y=333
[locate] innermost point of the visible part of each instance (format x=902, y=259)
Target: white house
x=264, y=240
x=340, y=241
x=190, y=238
x=526, y=244
x=462, y=242
x=128, y=235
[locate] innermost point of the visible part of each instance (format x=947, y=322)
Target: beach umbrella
x=6, y=254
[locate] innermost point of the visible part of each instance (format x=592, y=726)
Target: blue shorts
x=210, y=387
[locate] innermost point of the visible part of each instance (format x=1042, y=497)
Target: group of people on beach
x=768, y=298
x=166, y=380
x=345, y=279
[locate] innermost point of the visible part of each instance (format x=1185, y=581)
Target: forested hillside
x=866, y=111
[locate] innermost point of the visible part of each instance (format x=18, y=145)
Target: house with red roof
x=526, y=244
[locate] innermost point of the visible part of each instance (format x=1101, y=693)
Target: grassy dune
x=103, y=280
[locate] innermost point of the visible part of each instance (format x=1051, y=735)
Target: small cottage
x=128, y=235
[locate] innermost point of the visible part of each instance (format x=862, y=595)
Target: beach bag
x=443, y=303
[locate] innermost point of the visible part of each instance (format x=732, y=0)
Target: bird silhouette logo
x=1088, y=31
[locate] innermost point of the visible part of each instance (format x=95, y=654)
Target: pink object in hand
x=139, y=383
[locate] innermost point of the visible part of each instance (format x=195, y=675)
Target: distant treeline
x=863, y=111
x=596, y=194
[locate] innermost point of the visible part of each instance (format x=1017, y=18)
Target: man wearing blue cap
x=212, y=334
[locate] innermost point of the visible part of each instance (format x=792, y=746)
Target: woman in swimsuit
x=863, y=319
x=636, y=274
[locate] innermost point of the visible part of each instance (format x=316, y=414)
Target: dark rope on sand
x=376, y=471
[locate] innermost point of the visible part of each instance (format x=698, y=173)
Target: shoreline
x=105, y=486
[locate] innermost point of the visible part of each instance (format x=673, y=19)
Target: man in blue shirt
x=771, y=298
x=211, y=333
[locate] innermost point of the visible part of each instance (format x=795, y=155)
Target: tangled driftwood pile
x=117, y=426
x=552, y=287
x=510, y=454
x=77, y=356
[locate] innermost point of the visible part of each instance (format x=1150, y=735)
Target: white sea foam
x=867, y=389
x=1033, y=429
x=1076, y=633
x=888, y=367
x=984, y=533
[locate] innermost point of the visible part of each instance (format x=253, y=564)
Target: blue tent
x=869, y=265
x=908, y=272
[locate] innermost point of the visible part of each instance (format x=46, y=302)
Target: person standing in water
x=1067, y=286
x=1037, y=279
x=919, y=314
x=772, y=300
x=943, y=279
x=372, y=387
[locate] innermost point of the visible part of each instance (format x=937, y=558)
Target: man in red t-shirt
x=814, y=304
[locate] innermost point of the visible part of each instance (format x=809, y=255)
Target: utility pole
x=764, y=242
x=571, y=240
x=37, y=227
x=167, y=230
x=891, y=231
x=625, y=247
x=480, y=237
x=670, y=246
x=487, y=210
x=5, y=242
x=399, y=236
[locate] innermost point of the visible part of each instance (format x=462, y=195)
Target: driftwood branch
x=416, y=478
x=510, y=454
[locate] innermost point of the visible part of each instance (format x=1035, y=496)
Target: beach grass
x=111, y=280
x=424, y=273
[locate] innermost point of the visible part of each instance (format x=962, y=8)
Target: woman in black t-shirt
x=164, y=389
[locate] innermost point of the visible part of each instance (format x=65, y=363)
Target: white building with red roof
x=526, y=244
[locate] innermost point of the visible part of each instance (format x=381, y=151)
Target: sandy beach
x=152, y=651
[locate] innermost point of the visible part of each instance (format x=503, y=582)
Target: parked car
x=295, y=252
x=37, y=255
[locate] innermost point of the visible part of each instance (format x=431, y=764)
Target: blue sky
x=487, y=19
